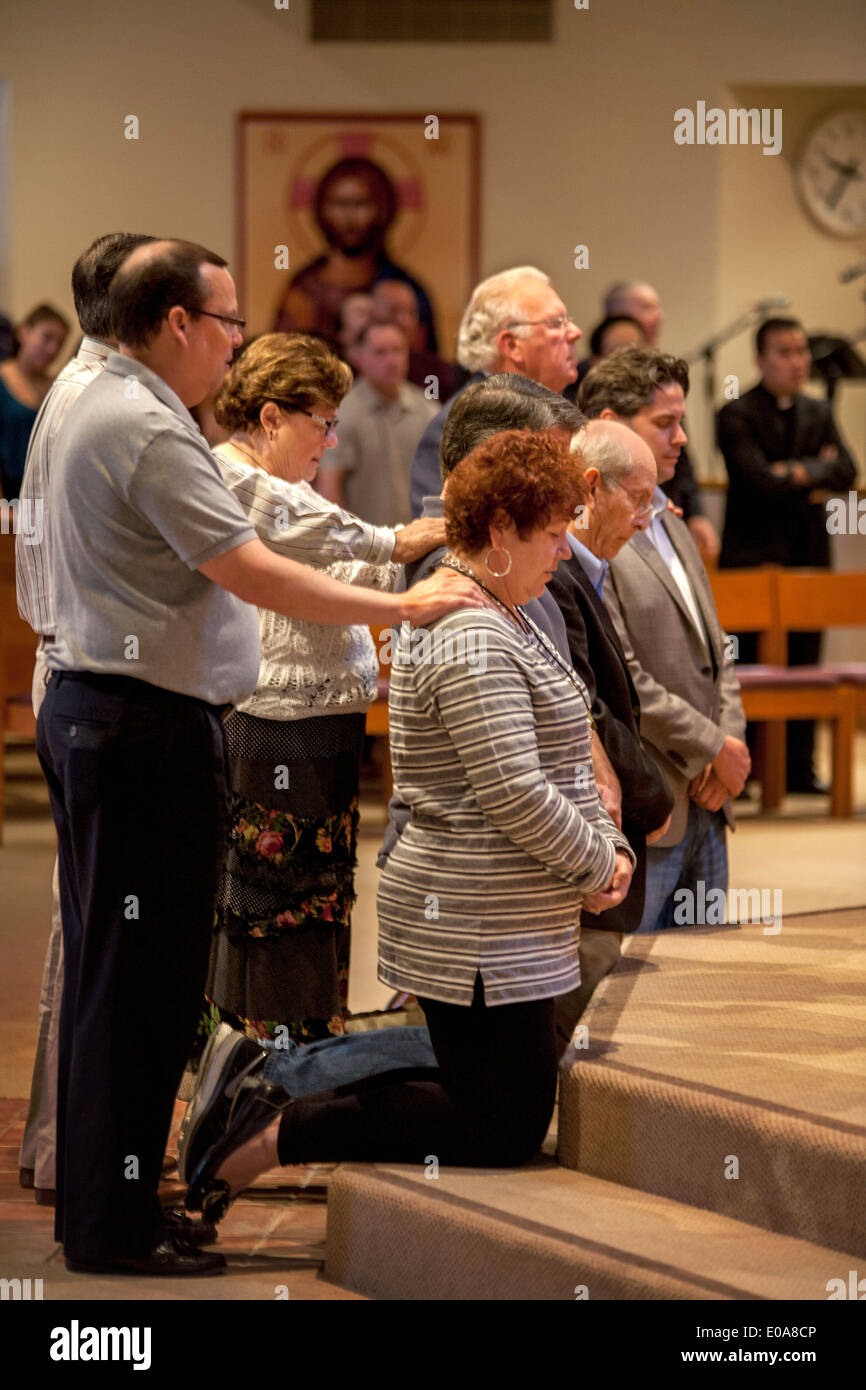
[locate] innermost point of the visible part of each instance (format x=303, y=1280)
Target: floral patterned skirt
x=280, y=952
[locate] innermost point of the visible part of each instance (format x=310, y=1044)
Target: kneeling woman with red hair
x=479, y=904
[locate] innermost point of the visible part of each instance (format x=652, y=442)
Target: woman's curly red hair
x=520, y=477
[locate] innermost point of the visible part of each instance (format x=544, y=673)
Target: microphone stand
x=706, y=353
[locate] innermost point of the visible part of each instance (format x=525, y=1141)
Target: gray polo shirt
x=139, y=504
x=378, y=439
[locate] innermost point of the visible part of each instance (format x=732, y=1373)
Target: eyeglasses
x=326, y=426
x=224, y=318
x=556, y=325
x=639, y=509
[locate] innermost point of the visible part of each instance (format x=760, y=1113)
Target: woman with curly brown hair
x=479, y=902
x=281, y=949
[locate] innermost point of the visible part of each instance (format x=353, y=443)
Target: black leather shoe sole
x=257, y=1104
x=172, y=1258
x=228, y=1058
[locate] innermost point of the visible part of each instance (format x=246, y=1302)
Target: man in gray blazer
x=662, y=606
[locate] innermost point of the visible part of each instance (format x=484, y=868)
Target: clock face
x=830, y=173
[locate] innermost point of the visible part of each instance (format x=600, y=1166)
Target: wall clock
x=830, y=173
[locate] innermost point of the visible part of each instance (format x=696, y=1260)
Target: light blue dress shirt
x=594, y=568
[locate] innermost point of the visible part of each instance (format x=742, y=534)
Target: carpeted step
x=544, y=1232
x=725, y=1068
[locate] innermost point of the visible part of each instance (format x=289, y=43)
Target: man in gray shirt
x=155, y=568
x=91, y=276
x=381, y=421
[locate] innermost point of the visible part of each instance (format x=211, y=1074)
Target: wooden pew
x=807, y=601
x=773, y=602
x=746, y=602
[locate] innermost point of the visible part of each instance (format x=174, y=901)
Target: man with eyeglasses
x=620, y=473
x=91, y=276
x=659, y=599
x=381, y=421
x=514, y=322
x=156, y=571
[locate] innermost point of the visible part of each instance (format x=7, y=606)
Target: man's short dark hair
x=141, y=295
x=774, y=326
x=628, y=379
x=505, y=401
x=597, y=336
x=92, y=274
x=376, y=321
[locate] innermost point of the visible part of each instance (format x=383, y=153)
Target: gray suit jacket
x=689, y=696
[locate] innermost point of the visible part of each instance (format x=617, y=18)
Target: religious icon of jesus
x=354, y=206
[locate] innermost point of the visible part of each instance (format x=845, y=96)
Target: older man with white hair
x=620, y=474
x=514, y=322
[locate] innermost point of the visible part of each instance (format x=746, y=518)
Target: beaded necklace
x=538, y=640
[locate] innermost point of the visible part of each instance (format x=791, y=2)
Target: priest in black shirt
x=784, y=457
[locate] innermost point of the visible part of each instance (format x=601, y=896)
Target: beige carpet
x=726, y=1068
x=543, y=1233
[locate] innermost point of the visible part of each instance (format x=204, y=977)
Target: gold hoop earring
x=497, y=574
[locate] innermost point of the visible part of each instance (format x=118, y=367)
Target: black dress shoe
x=228, y=1058
x=26, y=1177
x=177, y=1223
x=45, y=1196
x=173, y=1256
x=257, y=1104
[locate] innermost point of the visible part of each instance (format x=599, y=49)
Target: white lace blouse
x=308, y=668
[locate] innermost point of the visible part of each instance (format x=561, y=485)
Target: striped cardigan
x=491, y=750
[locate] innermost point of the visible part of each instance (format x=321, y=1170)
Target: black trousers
x=804, y=649
x=488, y=1104
x=137, y=782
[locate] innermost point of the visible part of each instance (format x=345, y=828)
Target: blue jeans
x=702, y=854
x=333, y=1062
